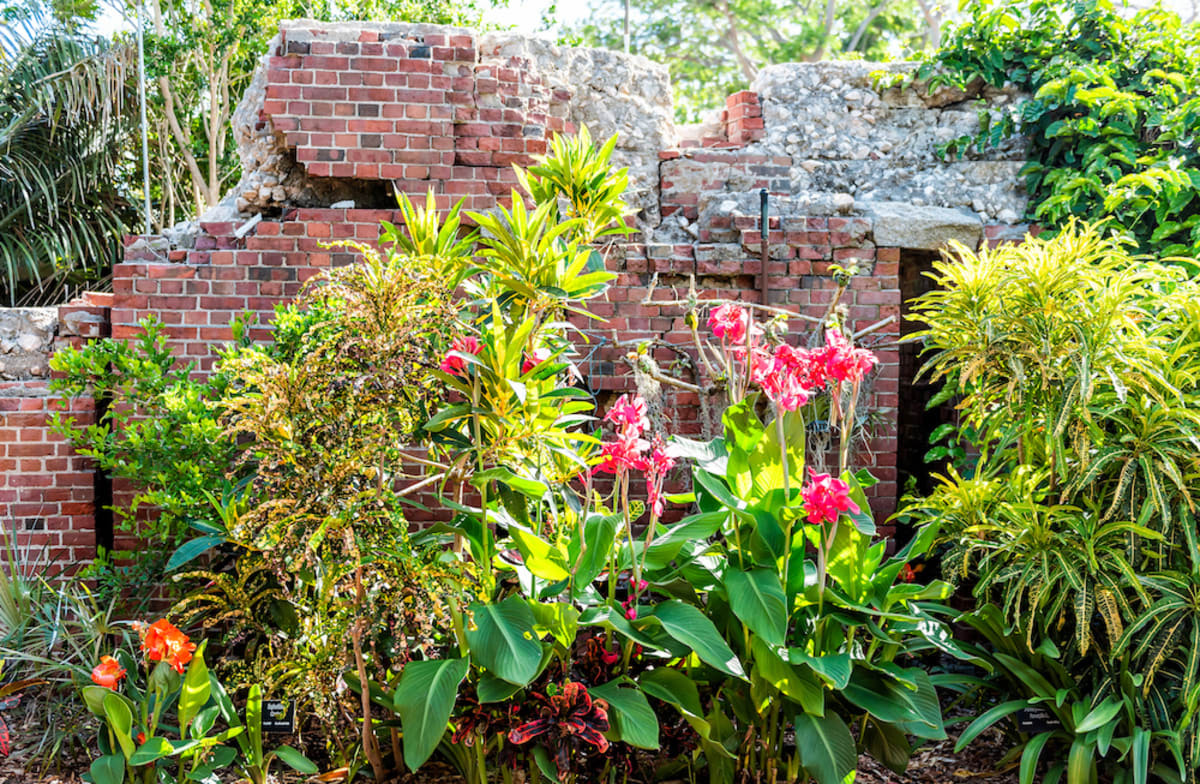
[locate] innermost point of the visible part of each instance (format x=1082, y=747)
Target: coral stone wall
x=340, y=117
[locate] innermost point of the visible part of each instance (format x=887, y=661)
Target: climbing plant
x=1113, y=117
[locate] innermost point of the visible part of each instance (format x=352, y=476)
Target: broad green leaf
x=1031, y=755
x=987, y=719
x=783, y=676
x=635, y=721
x=541, y=558
x=559, y=619
x=826, y=747
x=195, y=690
x=120, y=719
x=834, y=668
x=756, y=598
x=193, y=549
x=254, y=701
x=886, y=743
x=530, y=487
x=109, y=769
x=1103, y=713
x=493, y=689
x=153, y=749
x=688, y=625
x=709, y=455
x=425, y=699
x=297, y=761
x=675, y=688
x=502, y=639
x=590, y=556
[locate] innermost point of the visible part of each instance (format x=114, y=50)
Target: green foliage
x=160, y=429
x=715, y=49
x=1075, y=360
x=1113, y=116
x=65, y=105
x=52, y=631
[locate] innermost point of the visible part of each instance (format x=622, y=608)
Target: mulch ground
x=934, y=764
x=938, y=764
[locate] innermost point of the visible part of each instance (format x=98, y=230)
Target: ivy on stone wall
x=1113, y=118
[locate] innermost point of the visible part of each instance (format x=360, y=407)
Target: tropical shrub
x=1075, y=362
x=555, y=626
x=1112, y=118
x=812, y=626
x=160, y=430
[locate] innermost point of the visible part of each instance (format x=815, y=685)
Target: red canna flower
x=825, y=498
x=908, y=574
x=531, y=361
x=161, y=641
x=465, y=345
x=108, y=673
x=564, y=720
x=656, y=467
x=141, y=737
x=620, y=455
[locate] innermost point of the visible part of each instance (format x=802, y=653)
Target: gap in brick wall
x=915, y=421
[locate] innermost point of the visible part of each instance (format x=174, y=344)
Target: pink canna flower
x=656, y=467
x=628, y=414
x=843, y=361
x=728, y=322
x=623, y=454
x=791, y=377
x=463, y=345
x=826, y=498
x=534, y=359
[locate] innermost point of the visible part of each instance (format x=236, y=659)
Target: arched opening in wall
x=917, y=421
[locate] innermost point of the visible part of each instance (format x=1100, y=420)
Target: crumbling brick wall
x=341, y=116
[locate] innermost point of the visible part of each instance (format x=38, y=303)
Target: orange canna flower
x=108, y=673
x=161, y=641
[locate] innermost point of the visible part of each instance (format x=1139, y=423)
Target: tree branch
x=863, y=26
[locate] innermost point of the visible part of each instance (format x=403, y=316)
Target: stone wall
x=47, y=492
x=341, y=116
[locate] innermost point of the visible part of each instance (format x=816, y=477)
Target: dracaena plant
x=510, y=452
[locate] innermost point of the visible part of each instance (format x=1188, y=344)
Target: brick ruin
x=339, y=117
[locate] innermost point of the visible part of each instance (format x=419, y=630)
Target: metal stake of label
x=764, y=232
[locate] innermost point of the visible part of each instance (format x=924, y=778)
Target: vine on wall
x=1113, y=120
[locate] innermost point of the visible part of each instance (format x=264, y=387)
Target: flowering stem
x=847, y=425
x=823, y=563
x=787, y=490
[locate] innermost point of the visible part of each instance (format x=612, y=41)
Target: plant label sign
x=1035, y=719
x=279, y=717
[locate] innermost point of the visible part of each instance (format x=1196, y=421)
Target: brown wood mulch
x=933, y=764
x=938, y=764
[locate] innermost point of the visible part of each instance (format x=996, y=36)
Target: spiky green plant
x=1078, y=368
x=64, y=100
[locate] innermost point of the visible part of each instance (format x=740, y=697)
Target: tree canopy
x=716, y=47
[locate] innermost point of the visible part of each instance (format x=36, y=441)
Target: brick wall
x=47, y=492
x=418, y=108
